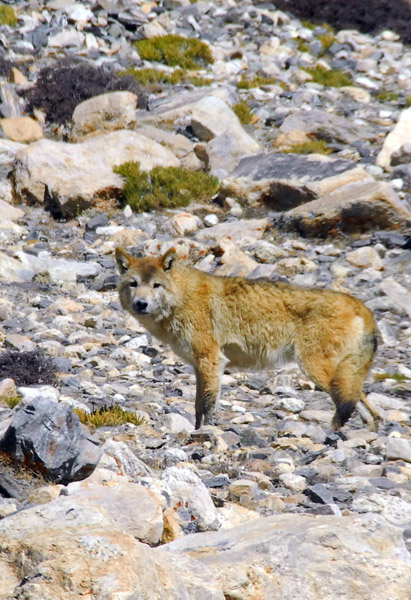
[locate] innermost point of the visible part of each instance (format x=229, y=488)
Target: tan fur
x=213, y=322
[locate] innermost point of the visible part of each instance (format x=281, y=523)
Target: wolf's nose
x=140, y=306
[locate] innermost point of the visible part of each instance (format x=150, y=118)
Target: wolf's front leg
x=208, y=376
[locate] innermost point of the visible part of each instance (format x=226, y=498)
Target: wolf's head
x=146, y=285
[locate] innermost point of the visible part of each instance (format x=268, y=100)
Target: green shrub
x=152, y=76
x=332, y=78
x=108, y=417
x=257, y=81
x=165, y=187
x=12, y=401
x=309, y=147
x=387, y=96
x=243, y=111
x=175, y=51
x=7, y=16
x=327, y=40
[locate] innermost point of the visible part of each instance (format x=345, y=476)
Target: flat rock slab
x=284, y=181
x=360, y=206
x=301, y=556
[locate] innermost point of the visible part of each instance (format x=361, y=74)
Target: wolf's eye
x=133, y=283
x=156, y=285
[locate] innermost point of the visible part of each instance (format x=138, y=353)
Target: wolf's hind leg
x=346, y=387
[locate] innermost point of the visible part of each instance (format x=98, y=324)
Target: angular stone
x=106, y=112
x=325, y=126
x=244, y=231
x=69, y=178
x=9, y=212
x=189, y=497
x=397, y=293
x=283, y=181
x=22, y=129
x=398, y=449
x=361, y=206
x=365, y=257
x=48, y=436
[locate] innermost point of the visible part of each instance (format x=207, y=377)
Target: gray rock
x=284, y=181
x=360, y=206
x=324, y=125
x=48, y=436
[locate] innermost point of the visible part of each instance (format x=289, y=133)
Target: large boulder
x=284, y=181
x=69, y=178
x=48, y=436
x=106, y=112
x=360, y=206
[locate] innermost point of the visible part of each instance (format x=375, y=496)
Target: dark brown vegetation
x=60, y=87
x=369, y=17
x=27, y=368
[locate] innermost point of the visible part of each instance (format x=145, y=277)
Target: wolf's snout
x=140, y=306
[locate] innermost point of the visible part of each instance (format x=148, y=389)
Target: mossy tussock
x=309, y=147
x=165, y=187
x=246, y=83
x=8, y=16
x=330, y=78
x=175, y=51
x=146, y=76
x=243, y=111
x=108, y=417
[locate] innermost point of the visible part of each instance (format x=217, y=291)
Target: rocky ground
x=270, y=503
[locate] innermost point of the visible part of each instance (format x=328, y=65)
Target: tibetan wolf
x=213, y=322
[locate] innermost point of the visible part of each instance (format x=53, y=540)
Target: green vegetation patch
x=165, y=187
x=12, y=401
x=175, y=51
x=257, y=81
x=108, y=417
x=7, y=16
x=153, y=76
x=243, y=111
x=309, y=147
x=331, y=78
x=396, y=376
x=387, y=96
x=327, y=40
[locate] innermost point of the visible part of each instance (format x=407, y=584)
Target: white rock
x=106, y=112
x=365, y=257
x=296, y=483
x=67, y=38
x=190, y=498
x=400, y=135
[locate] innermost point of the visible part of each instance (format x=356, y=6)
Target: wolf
x=213, y=322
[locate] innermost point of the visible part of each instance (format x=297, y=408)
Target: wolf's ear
x=168, y=259
x=123, y=260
